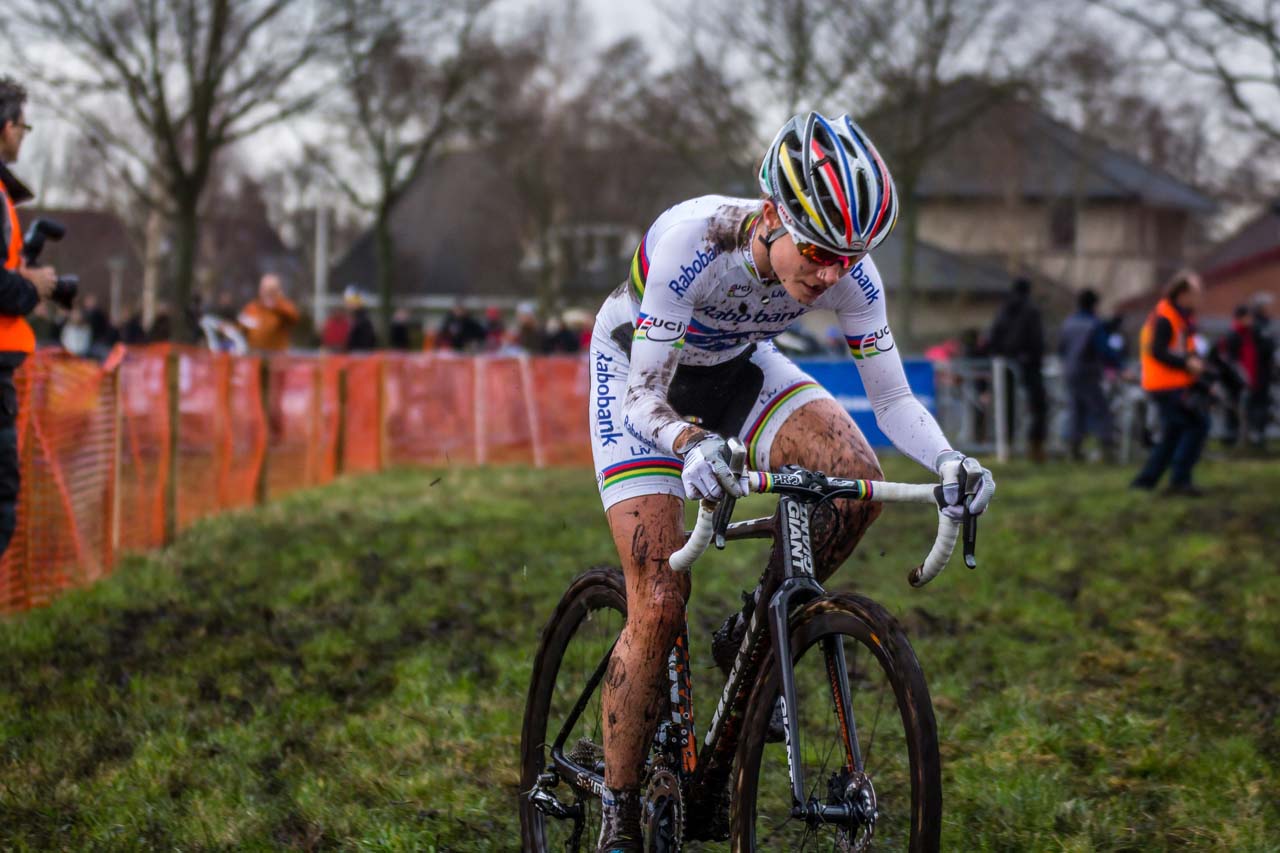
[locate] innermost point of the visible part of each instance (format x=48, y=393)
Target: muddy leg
x=646, y=530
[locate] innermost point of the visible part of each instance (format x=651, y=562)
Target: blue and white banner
x=840, y=377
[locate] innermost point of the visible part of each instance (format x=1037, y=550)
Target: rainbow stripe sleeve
x=632, y=468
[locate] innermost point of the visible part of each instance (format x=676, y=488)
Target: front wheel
x=889, y=781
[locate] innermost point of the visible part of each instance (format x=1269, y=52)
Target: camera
x=64, y=292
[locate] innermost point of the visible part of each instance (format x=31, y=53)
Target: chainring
x=663, y=813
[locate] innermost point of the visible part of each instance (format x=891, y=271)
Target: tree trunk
x=385, y=251
x=152, y=267
x=186, y=240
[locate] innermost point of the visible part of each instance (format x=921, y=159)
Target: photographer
x=21, y=289
x=1171, y=370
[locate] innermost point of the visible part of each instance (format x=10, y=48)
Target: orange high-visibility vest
x=15, y=332
x=1156, y=375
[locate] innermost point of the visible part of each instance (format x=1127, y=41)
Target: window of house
x=1062, y=225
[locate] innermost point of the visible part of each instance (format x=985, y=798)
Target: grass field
x=346, y=669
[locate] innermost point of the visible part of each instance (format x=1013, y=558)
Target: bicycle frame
x=704, y=774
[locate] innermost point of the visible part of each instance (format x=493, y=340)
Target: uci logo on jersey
x=659, y=330
x=871, y=343
x=864, y=282
x=702, y=260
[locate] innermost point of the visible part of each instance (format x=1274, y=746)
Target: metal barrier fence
x=971, y=392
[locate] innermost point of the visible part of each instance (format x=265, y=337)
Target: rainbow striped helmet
x=830, y=185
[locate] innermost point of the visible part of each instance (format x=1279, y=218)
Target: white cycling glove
x=978, y=483
x=706, y=474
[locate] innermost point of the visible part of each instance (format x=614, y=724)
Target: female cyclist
x=682, y=356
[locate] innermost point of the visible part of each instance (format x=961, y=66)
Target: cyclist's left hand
x=978, y=483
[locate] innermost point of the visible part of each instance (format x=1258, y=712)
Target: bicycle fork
x=798, y=588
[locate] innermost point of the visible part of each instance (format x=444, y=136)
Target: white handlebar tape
x=683, y=559
x=948, y=530
x=939, y=554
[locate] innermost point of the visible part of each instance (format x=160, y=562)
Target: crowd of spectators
x=464, y=332
x=1236, y=378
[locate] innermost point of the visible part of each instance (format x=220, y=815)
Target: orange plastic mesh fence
x=66, y=507
x=429, y=409
x=246, y=440
x=144, y=455
x=294, y=434
x=362, y=415
x=563, y=427
x=102, y=464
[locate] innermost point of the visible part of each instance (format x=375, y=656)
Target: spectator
x=133, y=331
x=1170, y=369
x=460, y=331
x=528, y=333
x=361, y=337
x=495, y=331
x=559, y=339
x=1236, y=360
x=161, y=326
x=268, y=319
x=1084, y=351
x=103, y=335
x=580, y=322
x=337, y=327
x=225, y=307
x=401, y=330
x=1018, y=335
x=43, y=326
x=1258, y=403
x=76, y=336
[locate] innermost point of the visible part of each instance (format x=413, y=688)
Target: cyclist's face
x=803, y=279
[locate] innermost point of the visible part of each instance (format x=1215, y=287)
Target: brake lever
x=970, y=535
x=969, y=523
x=724, y=509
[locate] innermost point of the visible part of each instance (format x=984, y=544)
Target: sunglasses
x=824, y=257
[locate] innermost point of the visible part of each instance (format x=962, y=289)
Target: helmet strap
x=767, y=240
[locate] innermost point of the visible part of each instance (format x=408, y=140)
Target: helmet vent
x=864, y=199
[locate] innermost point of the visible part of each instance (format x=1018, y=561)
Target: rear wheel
x=580, y=633
x=894, y=790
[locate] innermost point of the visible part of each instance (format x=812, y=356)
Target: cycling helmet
x=830, y=185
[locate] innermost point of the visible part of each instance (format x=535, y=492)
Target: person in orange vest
x=1170, y=370
x=268, y=319
x=21, y=289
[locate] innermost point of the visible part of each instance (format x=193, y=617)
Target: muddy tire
x=583, y=627
x=896, y=732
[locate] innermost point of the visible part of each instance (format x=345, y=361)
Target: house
x=1244, y=266
x=482, y=250
x=1018, y=188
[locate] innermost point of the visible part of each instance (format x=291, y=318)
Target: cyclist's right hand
x=706, y=474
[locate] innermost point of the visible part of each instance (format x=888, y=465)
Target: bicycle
x=863, y=796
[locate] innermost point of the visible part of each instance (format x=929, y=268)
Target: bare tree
x=1235, y=44
x=190, y=76
x=408, y=70
x=890, y=64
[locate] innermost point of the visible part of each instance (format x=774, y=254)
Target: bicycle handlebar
x=865, y=490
